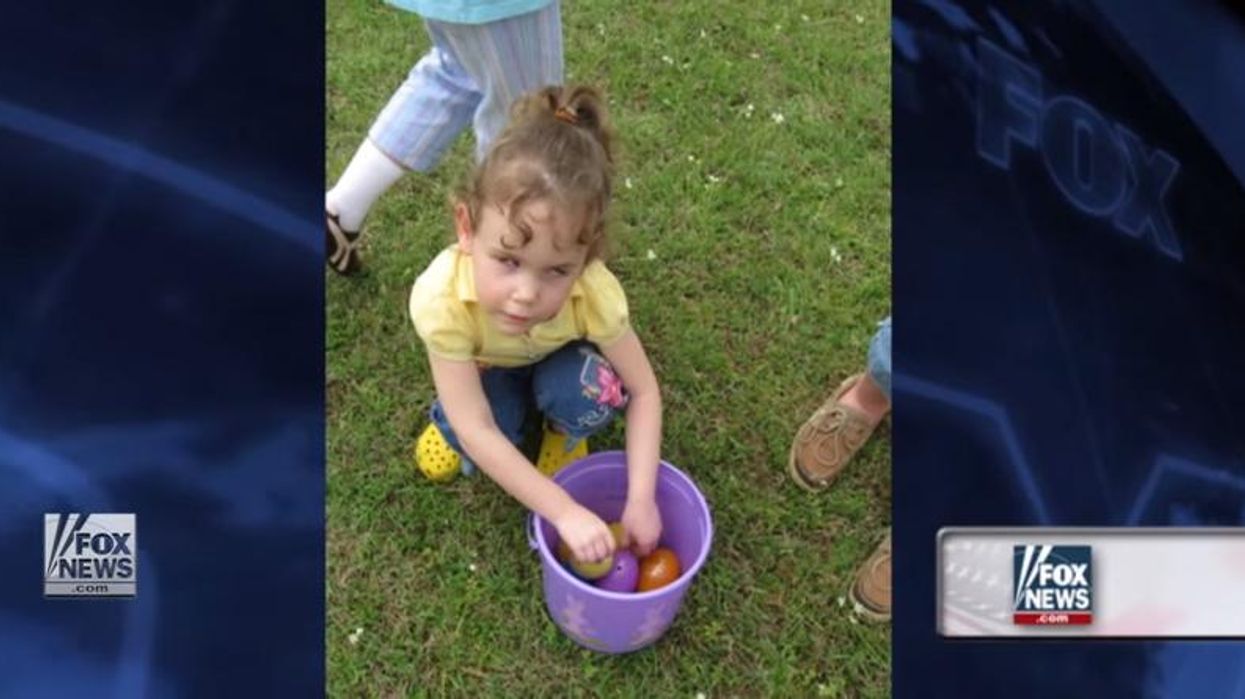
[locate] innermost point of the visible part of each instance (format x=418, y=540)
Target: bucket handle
x=531, y=531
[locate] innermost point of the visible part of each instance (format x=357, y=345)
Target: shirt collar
x=464, y=276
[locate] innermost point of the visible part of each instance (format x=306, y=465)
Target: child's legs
x=507, y=391
x=507, y=58
x=577, y=390
x=429, y=109
x=880, y=357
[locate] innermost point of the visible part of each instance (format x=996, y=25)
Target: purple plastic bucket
x=615, y=622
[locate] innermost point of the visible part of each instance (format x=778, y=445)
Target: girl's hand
x=585, y=534
x=641, y=521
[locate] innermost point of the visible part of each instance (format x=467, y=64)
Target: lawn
x=753, y=238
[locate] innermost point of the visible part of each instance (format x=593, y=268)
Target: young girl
x=522, y=314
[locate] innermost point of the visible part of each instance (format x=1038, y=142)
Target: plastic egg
x=658, y=569
x=617, y=530
x=587, y=571
x=623, y=576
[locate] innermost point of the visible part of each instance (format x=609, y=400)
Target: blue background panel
x=1070, y=309
x=161, y=342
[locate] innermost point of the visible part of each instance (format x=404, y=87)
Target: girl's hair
x=556, y=147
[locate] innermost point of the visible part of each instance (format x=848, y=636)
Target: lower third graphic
x=90, y=555
x=1053, y=585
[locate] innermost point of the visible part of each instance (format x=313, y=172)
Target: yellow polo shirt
x=453, y=326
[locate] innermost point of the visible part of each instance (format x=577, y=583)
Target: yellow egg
x=587, y=571
x=617, y=529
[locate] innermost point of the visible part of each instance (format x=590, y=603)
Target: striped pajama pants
x=472, y=74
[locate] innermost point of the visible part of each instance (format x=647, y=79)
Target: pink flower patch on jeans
x=611, y=387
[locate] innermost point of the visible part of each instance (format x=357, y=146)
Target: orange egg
x=658, y=569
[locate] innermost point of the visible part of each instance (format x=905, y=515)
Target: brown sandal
x=828, y=440
x=341, y=246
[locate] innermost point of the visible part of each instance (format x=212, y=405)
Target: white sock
x=369, y=174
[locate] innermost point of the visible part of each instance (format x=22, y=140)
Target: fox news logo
x=1053, y=585
x=89, y=555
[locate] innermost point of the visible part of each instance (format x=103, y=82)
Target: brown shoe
x=828, y=440
x=871, y=590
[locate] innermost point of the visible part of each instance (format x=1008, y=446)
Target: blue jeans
x=575, y=389
x=880, y=357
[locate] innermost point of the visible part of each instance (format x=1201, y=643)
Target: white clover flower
x=838, y=182
x=703, y=34
x=471, y=567
x=755, y=54
x=627, y=182
x=777, y=117
x=860, y=20
x=651, y=255
x=840, y=600
x=713, y=179
x=354, y=637
x=667, y=60
x=804, y=17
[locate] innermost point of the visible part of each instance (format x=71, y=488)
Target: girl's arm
x=462, y=397
x=641, y=519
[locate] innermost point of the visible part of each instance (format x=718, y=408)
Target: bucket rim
x=609, y=459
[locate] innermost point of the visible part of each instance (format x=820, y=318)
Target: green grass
x=765, y=287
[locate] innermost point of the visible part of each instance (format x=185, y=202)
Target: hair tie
x=564, y=114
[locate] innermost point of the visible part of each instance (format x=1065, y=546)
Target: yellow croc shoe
x=434, y=456
x=553, y=454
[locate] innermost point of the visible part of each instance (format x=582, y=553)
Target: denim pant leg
x=880, y=357
x=577, y=390
x=507, y=391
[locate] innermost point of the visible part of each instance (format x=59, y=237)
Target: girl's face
x=521, y=286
